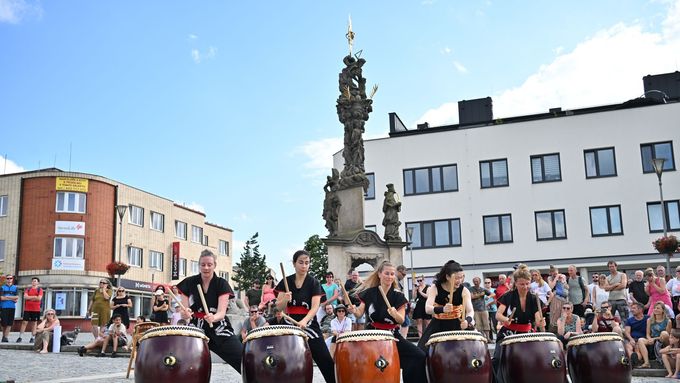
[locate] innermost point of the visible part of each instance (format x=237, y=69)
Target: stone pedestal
x=351, y=214
x=363, y=247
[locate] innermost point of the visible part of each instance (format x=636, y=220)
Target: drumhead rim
x=530, y=337
x=581, y=339
x=274, y=330
x=174, y=331
x=364, y=335
x=445, y=336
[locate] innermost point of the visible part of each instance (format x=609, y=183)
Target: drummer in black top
x=525, y=316
x=447, y=315
x=411, y=358
x=217, y=294
x=302, y=303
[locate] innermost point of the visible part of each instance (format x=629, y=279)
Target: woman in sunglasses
x=268, y=296
x=43, y=332
x=422, y=318
x=121, y=304
x=339, y=325
x=99, y=309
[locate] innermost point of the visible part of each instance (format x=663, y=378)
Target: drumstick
x=176, y=299
x=540, y=312
x=451, y=292
x=382, y=292
x=285, y=280
x=344, y=292
x=512, y=314
x=291, y=320
x=462, y=308
x=205, y=305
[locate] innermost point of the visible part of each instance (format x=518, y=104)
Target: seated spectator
x=95, y=344
x=277, y=319
x=658, y=328
x=569, y=324
x=339, y=325
x=635, y=329
x=141, y=319
x=43, y=333
x=182, y=322
x=670, y=355
x=117, y=336
x=606, y=321
x=326, y=321
x=254, y=320
x=176, y=315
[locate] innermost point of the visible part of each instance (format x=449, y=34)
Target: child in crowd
x=670, y=355
x=117, y=335
x=176, y=315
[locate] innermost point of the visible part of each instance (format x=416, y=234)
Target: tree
x=318, y=257
x=252, y=267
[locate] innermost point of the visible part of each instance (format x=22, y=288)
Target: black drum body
x=276, y=354
x=532, y=357
x=458, y=357
x=598, y=357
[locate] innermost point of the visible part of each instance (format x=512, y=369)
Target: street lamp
x=409, y=239
x=121, y=213
x=658, y=163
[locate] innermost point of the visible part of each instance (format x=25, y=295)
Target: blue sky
x=230, y=106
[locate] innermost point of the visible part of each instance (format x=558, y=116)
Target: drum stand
x=136, y=336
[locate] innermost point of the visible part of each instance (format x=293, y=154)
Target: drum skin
x=459, y=361
x=276, y=357
x=599, y=361
x=173, y=358
x=536, y=357
x=361, y=361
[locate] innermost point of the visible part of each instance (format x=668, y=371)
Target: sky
x=229, y=106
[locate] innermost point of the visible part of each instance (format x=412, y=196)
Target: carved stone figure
x=331, y=203
x=391, y=208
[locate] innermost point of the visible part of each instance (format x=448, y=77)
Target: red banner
x=175, y=261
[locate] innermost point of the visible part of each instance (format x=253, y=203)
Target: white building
x=568, y=186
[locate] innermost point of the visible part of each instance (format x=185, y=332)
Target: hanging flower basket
x=666, y=245
x=117, y=268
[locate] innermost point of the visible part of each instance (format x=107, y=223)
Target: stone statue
x=331, y=203
x=391, y=208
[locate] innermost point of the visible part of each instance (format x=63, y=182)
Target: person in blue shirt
x=8, y=304
x=636, y=328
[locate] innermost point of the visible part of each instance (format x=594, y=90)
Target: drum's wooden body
x=598, y=357
x=276, y=354
x=367, y=356
x=532, y=357
x=173, y=353
x=458, y=357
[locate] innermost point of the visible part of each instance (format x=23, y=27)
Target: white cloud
x=558, y=50
x=460, y=67
x=192, y=205
x=604, y=69
x=192, y=36
x=199, y=57
x=14, y=11
x=8, y=166
x=320, y=155
x=445, y=51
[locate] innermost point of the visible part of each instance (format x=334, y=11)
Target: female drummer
x=411, y=358
x=447, y=309
x=217, y=293
x=302, y=303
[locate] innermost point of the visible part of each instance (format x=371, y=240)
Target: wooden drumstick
x=512, y=314
x=285, y=280
x=462, y=307
x=382, y=292
x=451, y=292
x=344, y=293
x=205, y=304
x=540, y=312
x=291, y=320
x=176, y=299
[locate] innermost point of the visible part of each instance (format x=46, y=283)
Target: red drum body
x=276, y=354
x=173, y=353
x=458, y=357
x=532, y=357
x=367, y=356
x=598, y=357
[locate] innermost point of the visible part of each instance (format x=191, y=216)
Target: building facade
x=564, y=187
x=64, y=228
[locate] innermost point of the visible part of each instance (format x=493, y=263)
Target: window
x=605, y=220
x=600, y=163
x=196, y=234
x=3, y=205
x=156, y=260
x=157, y=221
x=70, y=299
x=437, y=179
x=67, y=247
x=657, y=150
x=224, y=274
x=497, y=228
x=493, y=173
x=181, y=230
x=428, y=234
x=182, y=267
x=136, y=215
x=545, y=168
x=372, y=228
x=194, y=267
x=205, y=240
x=224, y=248
x=145, y=306
x=69, y=202
x=672, y=212
x=550, y=225
x=2, y=250
x=135, y=256
x=370, y=192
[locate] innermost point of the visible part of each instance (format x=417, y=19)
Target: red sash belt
x=199, y=315
x=297, y=310
x=518, y=327
x=384, y=326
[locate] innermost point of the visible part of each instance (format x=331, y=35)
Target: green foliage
x=318, y=254
x=252, y=266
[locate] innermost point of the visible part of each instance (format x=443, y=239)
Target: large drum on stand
x=532, y=357
x=276, y=354
x=458, y=357
x=598, y=357
x=173, y=353
x=367, y=356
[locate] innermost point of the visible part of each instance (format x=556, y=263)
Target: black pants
x=322, y=358
x=228, y=348
x=412, y=360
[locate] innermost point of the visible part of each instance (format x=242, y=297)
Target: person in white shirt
x=339, y=325
x=673, y=286
x=176, y=315
x=117, y=334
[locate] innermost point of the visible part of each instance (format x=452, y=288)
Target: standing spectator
x=502, y=287
x=401, y=274
x=268, y=299
x=490, y=301
x=605, y=321
x=253, y=295
x=419, y=315
x=673, y=286
x=117, y=336
x=598, y=294
x=120, y=304
x=568, y=324
x=557, y=283
x=277, y=319
x=176, y=315
x=339, y=325
x=595, y=278
x=578, y=292
x=32, y=297
x=637, y=290
x=656, y=289
x=661, y=273
x=481, y=316
x=99, y=308
x=541, y=288
x=160, y=307
x=325, y=322
x=8, y=304
x=253, y=321
x=616, y=285
x=44, y=331
x=636, y=328
x=351, y=285
x=657, y=330
x=332, y=293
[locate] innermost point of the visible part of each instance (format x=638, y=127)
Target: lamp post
x=409, y=239
x=658, y=163
x=121, y=213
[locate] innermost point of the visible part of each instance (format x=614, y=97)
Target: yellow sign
x=72, y=184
